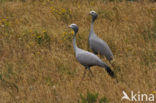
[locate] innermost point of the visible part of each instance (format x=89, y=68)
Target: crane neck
x=92, y=28
x=74, y=42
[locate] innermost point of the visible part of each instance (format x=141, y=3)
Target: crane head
x=74, y=27
x=93, y=14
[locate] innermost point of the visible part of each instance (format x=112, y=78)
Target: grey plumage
x=96, y=44
x=88, y=59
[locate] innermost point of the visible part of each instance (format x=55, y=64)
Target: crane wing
x=87, y=58
x=100, y=46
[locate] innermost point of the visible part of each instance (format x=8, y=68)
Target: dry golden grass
x=37, y=62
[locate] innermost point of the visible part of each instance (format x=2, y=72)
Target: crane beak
x=69, y=26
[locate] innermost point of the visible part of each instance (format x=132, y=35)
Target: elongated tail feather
x=110, y=72
x=108, y=69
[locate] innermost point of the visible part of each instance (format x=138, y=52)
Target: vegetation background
x=37, y=62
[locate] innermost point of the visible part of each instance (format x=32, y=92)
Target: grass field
x=37, y=61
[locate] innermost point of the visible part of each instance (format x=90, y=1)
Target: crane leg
x=83, y=75
x=91, y=72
